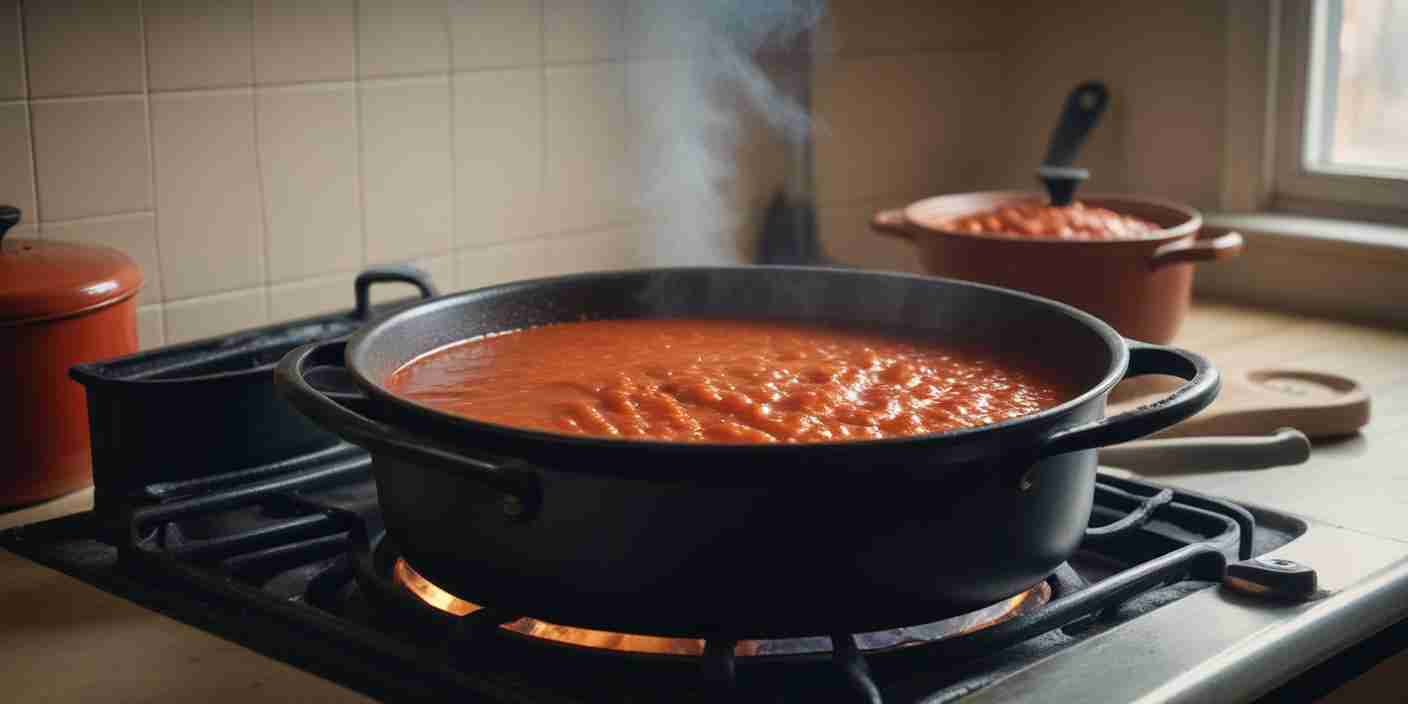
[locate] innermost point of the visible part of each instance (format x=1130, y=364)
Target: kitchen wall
x=907, y=96
x=1166, y=67
x=926, y=98
x=253, y=155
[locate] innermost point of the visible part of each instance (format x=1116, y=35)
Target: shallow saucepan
x=704, y=540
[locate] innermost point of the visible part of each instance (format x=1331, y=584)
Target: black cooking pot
x=705, y=540
x=137, y=403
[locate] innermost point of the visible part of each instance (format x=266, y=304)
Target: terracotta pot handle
x=893, y=223
x=1223, y=246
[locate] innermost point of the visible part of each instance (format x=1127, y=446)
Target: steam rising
x=692, y=105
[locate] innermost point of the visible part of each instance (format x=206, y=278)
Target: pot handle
x=1198, y=249
x=314, y=380
x=395, y=273
x=893, y=223
x=1196, y=393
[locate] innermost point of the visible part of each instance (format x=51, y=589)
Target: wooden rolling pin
x=1261, y=401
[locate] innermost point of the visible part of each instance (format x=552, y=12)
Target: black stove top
x=291, y=561
x=289, y=558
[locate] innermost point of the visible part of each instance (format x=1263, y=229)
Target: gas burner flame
x=585, y=637
x=631, y=643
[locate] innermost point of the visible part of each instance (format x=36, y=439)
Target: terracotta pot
x=1141, y=287
x=61, y=304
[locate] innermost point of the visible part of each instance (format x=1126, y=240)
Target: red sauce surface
x=724, y=381
x=1076, y=221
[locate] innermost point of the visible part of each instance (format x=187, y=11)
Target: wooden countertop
x=1360, y=482
x=64, y=641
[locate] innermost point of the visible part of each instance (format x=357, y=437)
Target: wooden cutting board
x=1259, y=401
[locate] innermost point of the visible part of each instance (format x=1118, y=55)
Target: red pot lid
x=40, y=279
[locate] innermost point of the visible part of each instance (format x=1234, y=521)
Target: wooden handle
x=1199, y=249
x=1260, y=401
x=893, y=223
x=1189, y=455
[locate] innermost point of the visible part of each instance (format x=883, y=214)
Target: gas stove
x=1173, y=596
x=296, y=565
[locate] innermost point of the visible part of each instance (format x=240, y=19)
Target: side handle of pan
x=893, y=223
x=314, y=379
x=1200, y=387
x=1199, y=249
x=392, y=273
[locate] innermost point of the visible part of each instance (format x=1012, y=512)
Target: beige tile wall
x=1165, y=64
x=252, y=155
x=905, y=95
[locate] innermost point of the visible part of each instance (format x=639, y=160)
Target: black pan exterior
x=198, y=409
x=150, y=414
x=734, y=540
x=773, y=561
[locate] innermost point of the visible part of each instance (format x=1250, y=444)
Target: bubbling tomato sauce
x=725, y=381
x=1076, y=221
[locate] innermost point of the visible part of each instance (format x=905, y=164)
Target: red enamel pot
x=1141, y=287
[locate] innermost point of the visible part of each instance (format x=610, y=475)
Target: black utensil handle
x=1196, y=393
x=9, y=217
x=1082, y=110
x=333, y=408
x=396, y=273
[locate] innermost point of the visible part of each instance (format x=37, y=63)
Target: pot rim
x=1190, y=226
x=77, y=313
x=101, y=375
x=358, y=344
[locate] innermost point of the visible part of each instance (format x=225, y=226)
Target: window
x=1343, y=107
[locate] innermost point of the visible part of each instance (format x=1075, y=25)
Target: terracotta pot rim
x=1190, y=226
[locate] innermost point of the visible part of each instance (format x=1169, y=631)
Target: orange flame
x=445, y=601
x=606, y=640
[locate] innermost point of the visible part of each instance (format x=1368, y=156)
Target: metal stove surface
x=276, y=572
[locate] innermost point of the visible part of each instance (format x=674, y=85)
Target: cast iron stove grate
x=295, y=565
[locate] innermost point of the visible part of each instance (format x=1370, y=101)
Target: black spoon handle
x=1083, y=108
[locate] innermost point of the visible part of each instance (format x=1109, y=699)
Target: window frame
x=1320, y=254
x=1293, y=187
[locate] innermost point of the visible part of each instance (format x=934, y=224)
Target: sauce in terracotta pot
x=1076, y=221
x=726, y=381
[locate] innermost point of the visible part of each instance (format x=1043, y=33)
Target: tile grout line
x=454, y=153
x=543, y=112
x=257, y=85
x=266, y=230
x=280, y=85
x=151, y=162
x=435, y=254
x=635, y=121
x=361, y=128
x=99, y=218
x=215, y=295
x=29, y=122
x=82, y=97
